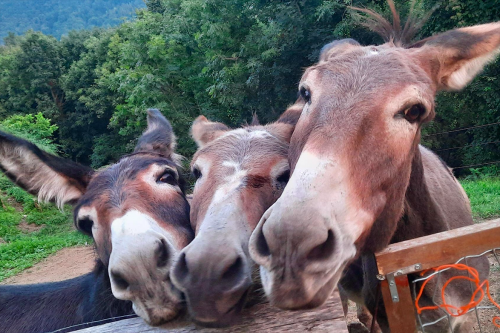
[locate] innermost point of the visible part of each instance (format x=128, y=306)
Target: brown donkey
x=135, y=210
x=240, y=173
x=359, y=178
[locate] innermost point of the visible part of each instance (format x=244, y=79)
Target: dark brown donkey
x=240, y=173
x=138, y=215
x=359, y=178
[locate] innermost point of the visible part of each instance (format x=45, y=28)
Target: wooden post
x=411, y=256
x=400, y=313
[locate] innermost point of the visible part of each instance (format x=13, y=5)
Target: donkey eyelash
x=168, y=171
x=196, y=172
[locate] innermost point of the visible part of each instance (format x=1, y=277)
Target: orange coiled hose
x=456, y=311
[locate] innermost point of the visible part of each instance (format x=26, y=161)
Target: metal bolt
x=418, y=267
x=380, y=277
x=395, y=298
x=392, y=283
x=398, y=273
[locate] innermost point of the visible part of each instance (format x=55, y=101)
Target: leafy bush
x=34, y=128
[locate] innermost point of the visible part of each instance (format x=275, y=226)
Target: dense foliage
x=226, y=59
x=55, y=17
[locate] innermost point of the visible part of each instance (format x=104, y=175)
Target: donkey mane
x=393, y=33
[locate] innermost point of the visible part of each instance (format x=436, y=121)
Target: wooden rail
x=257, y=319
x=400, y=259
x=438, y=249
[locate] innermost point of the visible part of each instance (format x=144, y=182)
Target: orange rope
x=456, y=311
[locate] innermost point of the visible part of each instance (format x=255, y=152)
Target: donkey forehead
x=114, y=179
x=368, y=68
x=245, y=146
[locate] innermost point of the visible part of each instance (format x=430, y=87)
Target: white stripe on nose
x=132, y=223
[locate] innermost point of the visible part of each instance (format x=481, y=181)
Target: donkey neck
x=52, y=306
x=434, y=200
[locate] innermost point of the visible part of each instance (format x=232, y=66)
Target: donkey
x=239, y=174
x=137, y=213
x=359, y=178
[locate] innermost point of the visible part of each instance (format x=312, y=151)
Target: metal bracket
x=392, y=287
x=409, y=269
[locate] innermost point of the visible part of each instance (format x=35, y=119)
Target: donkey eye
x=283, y=178
x=168, y=177
x=414, y=113
x=85, y=225
x=196, y=173
x=305, y=94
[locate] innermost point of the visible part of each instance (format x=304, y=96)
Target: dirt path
x=65, y=264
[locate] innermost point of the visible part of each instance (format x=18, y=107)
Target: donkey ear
x=455, y=57
x=335, y=47
x=255, y=120
x=51, y=178
x=204, y=131
x=285, y=125
x=159, y=137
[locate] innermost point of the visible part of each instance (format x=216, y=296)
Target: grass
x=484, y=195
x=21, y=249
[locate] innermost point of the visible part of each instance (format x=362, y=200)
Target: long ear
x=159, y=137
x=204, y=131
x=255, y=120
x=285, y=125
x=455, y=57
x=51, y=178
x=336, y=46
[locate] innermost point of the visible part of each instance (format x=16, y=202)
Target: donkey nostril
x=261, y=245
x=324, y=250
x=181, y=270
x=119, y=281
x=234, y=269
x=161, y=253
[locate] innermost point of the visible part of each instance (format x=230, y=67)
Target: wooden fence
x=261, y=318
x=400, y=259
x=394, y=264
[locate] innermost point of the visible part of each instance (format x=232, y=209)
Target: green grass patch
x=20, y=249
x=484, y=195
x=31, y=248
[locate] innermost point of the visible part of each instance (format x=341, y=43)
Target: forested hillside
x=226, y=59
x=56, y=17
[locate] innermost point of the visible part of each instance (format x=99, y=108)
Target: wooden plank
x=439, y=249
x=259, y=318
x=401, y=315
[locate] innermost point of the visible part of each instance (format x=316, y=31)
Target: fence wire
x=484, y=312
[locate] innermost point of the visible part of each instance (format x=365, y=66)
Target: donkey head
x=351, y=155
x=240, y=173
x=135, y=210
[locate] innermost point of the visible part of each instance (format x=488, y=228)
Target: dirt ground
x=65, y=264
x=28, y=227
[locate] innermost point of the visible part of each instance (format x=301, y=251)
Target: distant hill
x=57, y=17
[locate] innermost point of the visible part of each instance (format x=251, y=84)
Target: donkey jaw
x=157, y=317
x=139, y=267
x=307, y=289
